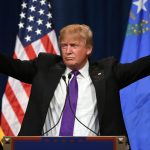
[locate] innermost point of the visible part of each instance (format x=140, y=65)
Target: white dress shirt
x=86, y=110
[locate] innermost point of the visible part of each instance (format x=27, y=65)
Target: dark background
x=107, y=18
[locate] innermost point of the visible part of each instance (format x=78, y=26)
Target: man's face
x=74, y=52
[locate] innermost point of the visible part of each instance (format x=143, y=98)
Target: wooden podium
x=65, y=143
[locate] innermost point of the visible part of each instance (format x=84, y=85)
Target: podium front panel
x=66, y=143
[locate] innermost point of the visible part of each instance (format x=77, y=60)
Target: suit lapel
x=98, y=78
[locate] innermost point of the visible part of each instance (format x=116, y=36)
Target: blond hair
x=82, y=30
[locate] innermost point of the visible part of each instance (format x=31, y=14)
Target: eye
x=63, y=46
x=74, y=45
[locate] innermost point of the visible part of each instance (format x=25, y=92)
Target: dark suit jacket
x=44, y=74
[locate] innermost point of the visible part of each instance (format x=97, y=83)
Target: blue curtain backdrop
x=107, y=18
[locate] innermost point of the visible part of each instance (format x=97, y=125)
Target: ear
x=89, y=50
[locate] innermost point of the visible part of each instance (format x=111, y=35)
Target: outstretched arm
x=131, y=72
x=21, y=70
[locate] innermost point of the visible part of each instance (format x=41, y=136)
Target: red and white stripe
x=15, y=98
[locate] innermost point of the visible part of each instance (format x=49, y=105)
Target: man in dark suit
x=98, y=107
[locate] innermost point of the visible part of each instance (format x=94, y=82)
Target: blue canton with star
x=35, y=20
x=138, y=26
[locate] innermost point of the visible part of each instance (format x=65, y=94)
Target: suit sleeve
x=128, y=73
x=21, y=70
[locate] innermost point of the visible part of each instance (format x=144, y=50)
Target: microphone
x=67, y=89
x=69, y=76
x=64, y=78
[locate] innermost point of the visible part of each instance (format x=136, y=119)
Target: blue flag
x=135, y=99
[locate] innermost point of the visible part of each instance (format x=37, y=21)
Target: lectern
x=65, y=143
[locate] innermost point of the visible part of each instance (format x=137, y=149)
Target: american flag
x=36, y=34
